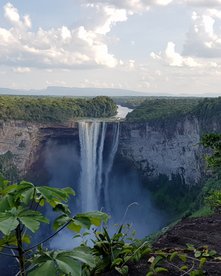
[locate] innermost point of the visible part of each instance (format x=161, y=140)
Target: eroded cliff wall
x=23, y=140
x=157, y=148
x=166, y=147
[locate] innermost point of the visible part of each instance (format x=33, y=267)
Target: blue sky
x=154, y=46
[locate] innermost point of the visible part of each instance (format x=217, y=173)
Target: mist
x=127, y=199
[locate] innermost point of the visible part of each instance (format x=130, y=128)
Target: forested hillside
x=163, y=108
x=54, y=109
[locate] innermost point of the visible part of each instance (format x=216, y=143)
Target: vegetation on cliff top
x=155, y=109
x=165, y=108
x=54, y=109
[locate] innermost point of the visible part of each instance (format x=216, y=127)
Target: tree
x=20, y=214
x=213, y=188
x=213, y=141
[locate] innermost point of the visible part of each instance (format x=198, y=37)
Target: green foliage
x=207, y=110
x=213, y=141
x=114, y=252
x=172, y=194
x=20, y=214
x=7, y=167
x=214, y=201
x=211, y=193
x=61, y=262
x=188, y=261
x=204, y=211
x=158, y=109
x=53, y=109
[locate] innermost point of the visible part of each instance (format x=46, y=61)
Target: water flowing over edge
x=94, y=178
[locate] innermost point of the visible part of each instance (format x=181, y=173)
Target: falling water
x=110, y=162
x=89, y=136
x=92, y=183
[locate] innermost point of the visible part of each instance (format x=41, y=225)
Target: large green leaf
x=30, y=223
x=7, y=202
x=69, y=266
x=9, y=220
x=80, y=221
x=76, y=225
x=83, y=254
x=8, y=223
x=73, y=224
x=55, y=194
x=95, y=218
x=31, y=219
x=62, y=262
x=44, y=269
x=25, y=191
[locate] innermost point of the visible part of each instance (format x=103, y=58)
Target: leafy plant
x=114, y=252
x=20, y=214
x=214, y=201
x=188, y=261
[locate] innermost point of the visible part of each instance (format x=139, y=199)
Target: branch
x=9, y=255
x=8, y=247
x=173, y=265
x=33, y=199
x=188, y=271
x=48, y=238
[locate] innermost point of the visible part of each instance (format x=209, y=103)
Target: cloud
x=132, y=6
x=202, y=45
x=12, y=15
x=204, y=3
x=57, y=47
x=111, y=17
x=202, y=39
x=172, y=58
x=21, y=70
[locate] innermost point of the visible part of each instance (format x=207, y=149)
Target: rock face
x=158, y=148
x=23, y=140
x=168, y=148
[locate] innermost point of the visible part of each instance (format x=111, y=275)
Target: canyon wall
x=155, y=148
x=23, y=140
x=167, y=147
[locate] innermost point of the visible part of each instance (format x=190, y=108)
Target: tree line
x=54, y=109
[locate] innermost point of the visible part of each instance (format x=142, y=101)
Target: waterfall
x=92, y=183
x=89, y=135
x=113, y=150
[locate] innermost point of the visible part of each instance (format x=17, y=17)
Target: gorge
x=119, y=162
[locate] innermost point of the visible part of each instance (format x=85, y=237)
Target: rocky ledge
x=199, y=232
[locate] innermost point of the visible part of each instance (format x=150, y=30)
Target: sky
x=153, y=46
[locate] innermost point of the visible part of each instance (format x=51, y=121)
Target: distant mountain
x=68, y=91
x=91, y=92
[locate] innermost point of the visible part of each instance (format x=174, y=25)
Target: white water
x=92, y=139
x=122, y=111
x=110, y=162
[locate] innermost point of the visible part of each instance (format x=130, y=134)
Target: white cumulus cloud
x=63, y=47
x=131, y=6
x=173, y=58
x=203, y=40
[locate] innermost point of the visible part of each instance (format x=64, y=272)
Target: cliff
x=23, y=140
x=167, y=147
x=161, y=147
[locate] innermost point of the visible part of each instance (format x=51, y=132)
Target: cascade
x=110, y=161
x=93, y=168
